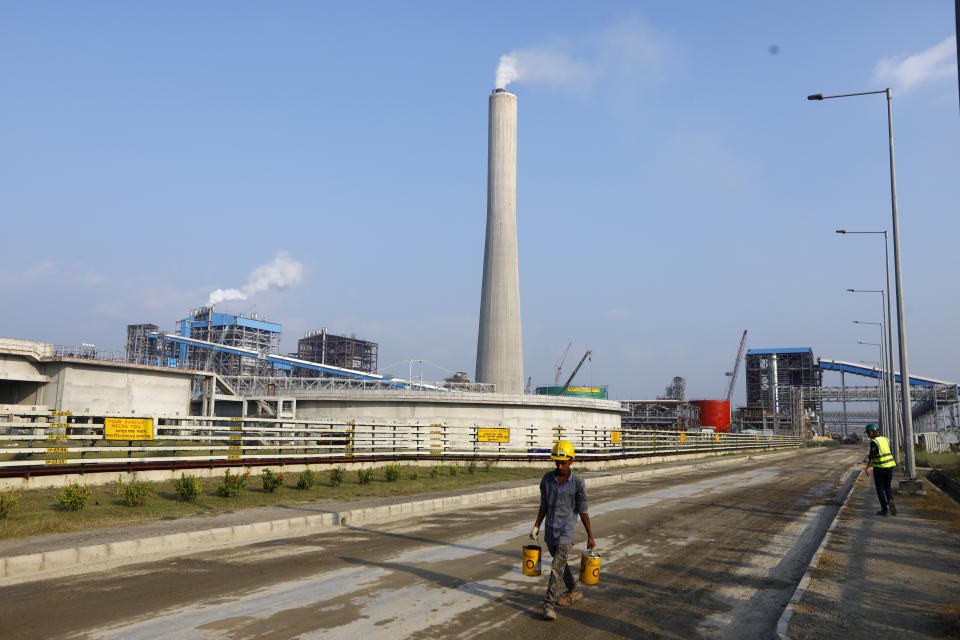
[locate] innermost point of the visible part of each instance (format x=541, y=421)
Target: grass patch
x=934, y=506
x=947, y=462
x=37, y=511
x=830, y=562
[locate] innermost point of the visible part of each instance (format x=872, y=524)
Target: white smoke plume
x=616, y=55
x=931, y=64
x=283, y=272
x=544, y=66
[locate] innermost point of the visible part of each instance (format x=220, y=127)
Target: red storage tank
x=714, y=413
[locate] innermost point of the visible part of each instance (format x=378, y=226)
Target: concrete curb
x=62, y=562
x=784, y=620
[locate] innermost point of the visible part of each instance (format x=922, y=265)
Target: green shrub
x=74, y=497
x=453, y=469
x=413, y=475
x=136, y=493
x=337, y=475
x=187, y=488
x=435, y=472
x=271, y=480
x=472, y=467
x=307, y=479
x=7, y=500
x=232, y=484
x=391, y=473
x=488, y=466
x=365, y=476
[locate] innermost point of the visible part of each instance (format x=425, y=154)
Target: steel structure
x=662, y=414
x=676, y=390
x=140, y=348
x=339, y=351
x=272, y=385
x=770, y=375
x=238, y=331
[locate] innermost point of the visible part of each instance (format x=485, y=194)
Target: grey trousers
x=559, y=572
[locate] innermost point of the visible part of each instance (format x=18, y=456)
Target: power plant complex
x=222, y=365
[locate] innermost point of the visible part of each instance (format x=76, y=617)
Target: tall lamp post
x=889, y=427
x=892, y=382
x=911, y=470
x=881, y=409
x=889, y=381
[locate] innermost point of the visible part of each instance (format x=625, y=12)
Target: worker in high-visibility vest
x=881, y=459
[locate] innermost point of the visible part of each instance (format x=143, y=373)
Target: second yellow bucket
x=590, y=567
x=531, y=560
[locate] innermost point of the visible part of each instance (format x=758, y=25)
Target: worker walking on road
x=563, y=495
x=881, y=459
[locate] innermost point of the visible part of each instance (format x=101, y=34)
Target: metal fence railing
x=51, y=440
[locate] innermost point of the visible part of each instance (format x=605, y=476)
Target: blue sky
x=675, y=185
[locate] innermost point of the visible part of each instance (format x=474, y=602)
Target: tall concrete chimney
x=499, y=347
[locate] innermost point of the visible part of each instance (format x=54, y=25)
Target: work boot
x=882, y=512
x=548, y=612
x=570, y=597
x=893, y=507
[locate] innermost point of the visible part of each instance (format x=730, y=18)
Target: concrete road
x=711, y=554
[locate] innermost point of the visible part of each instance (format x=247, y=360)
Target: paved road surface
x=712, y=554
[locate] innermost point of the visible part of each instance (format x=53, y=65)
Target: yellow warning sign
x=614, y=437
x=683, y=437
x=493, y=435
x=128, y=429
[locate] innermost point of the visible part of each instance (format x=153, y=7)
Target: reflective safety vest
x=884, y=458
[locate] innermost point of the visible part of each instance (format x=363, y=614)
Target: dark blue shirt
x=563, y=502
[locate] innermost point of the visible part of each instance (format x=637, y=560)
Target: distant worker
x=563, y=495
x=881, y=459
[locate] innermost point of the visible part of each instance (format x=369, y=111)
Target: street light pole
x=892, y=376
x=893, y=430
x=911, y=470
x=884, y=401
x=881, y=410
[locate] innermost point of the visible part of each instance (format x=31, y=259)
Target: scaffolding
x=141, y=349
x=337, y=351
x=664, y=414
x=676, y=390
x=775, y=379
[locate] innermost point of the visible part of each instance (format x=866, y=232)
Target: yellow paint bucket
x=590, y=567
x=531, y=560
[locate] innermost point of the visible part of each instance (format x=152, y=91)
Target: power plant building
x=338, y=351
x=141, y=349
x=248, y=332
x=776, y=380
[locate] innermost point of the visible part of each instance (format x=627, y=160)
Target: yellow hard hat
x=563, y=450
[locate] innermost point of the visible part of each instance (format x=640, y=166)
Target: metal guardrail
x=28, y=441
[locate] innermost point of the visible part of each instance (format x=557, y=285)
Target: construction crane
x=559, y=364
x=580, y=364
x=736, y=366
